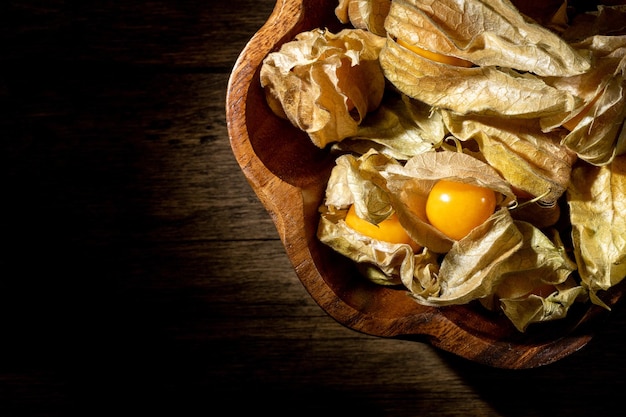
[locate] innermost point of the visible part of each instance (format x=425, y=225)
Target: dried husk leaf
x=325, y=83
x=358, y=181
x=485, y=32
x=534, y=309
x=524, y=260
x=540, y=262
x=588, y=87
x=457, y=166
x=364, y=14
x=527, y=83
x=530, y=160
x=468, y=271
x=485, y=90
x=599, y=135
x=400, y=128
x=424, y=283
x=597, y=201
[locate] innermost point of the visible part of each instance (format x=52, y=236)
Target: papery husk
x=364, y=14
x=599, y=136
x=500, y=266
x=382, y=263
x=358, y=181
x=456, y=166
x=468, y=270
x=538, y=263
x=424, y=283
x=597, y=201
x=409, y=186
x=522, y=312
x=485, y=90
x=532, y=161
x=489, y=33
x=400, y=128
x=519, y=259
x=588, y=87
x=325, y=83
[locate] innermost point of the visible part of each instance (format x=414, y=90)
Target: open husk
x=499, y=263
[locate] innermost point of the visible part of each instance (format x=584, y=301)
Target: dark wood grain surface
x=140, y=275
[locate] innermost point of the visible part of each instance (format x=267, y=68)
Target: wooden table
x=140, y=272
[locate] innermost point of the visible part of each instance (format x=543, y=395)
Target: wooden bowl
x=289, y=176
